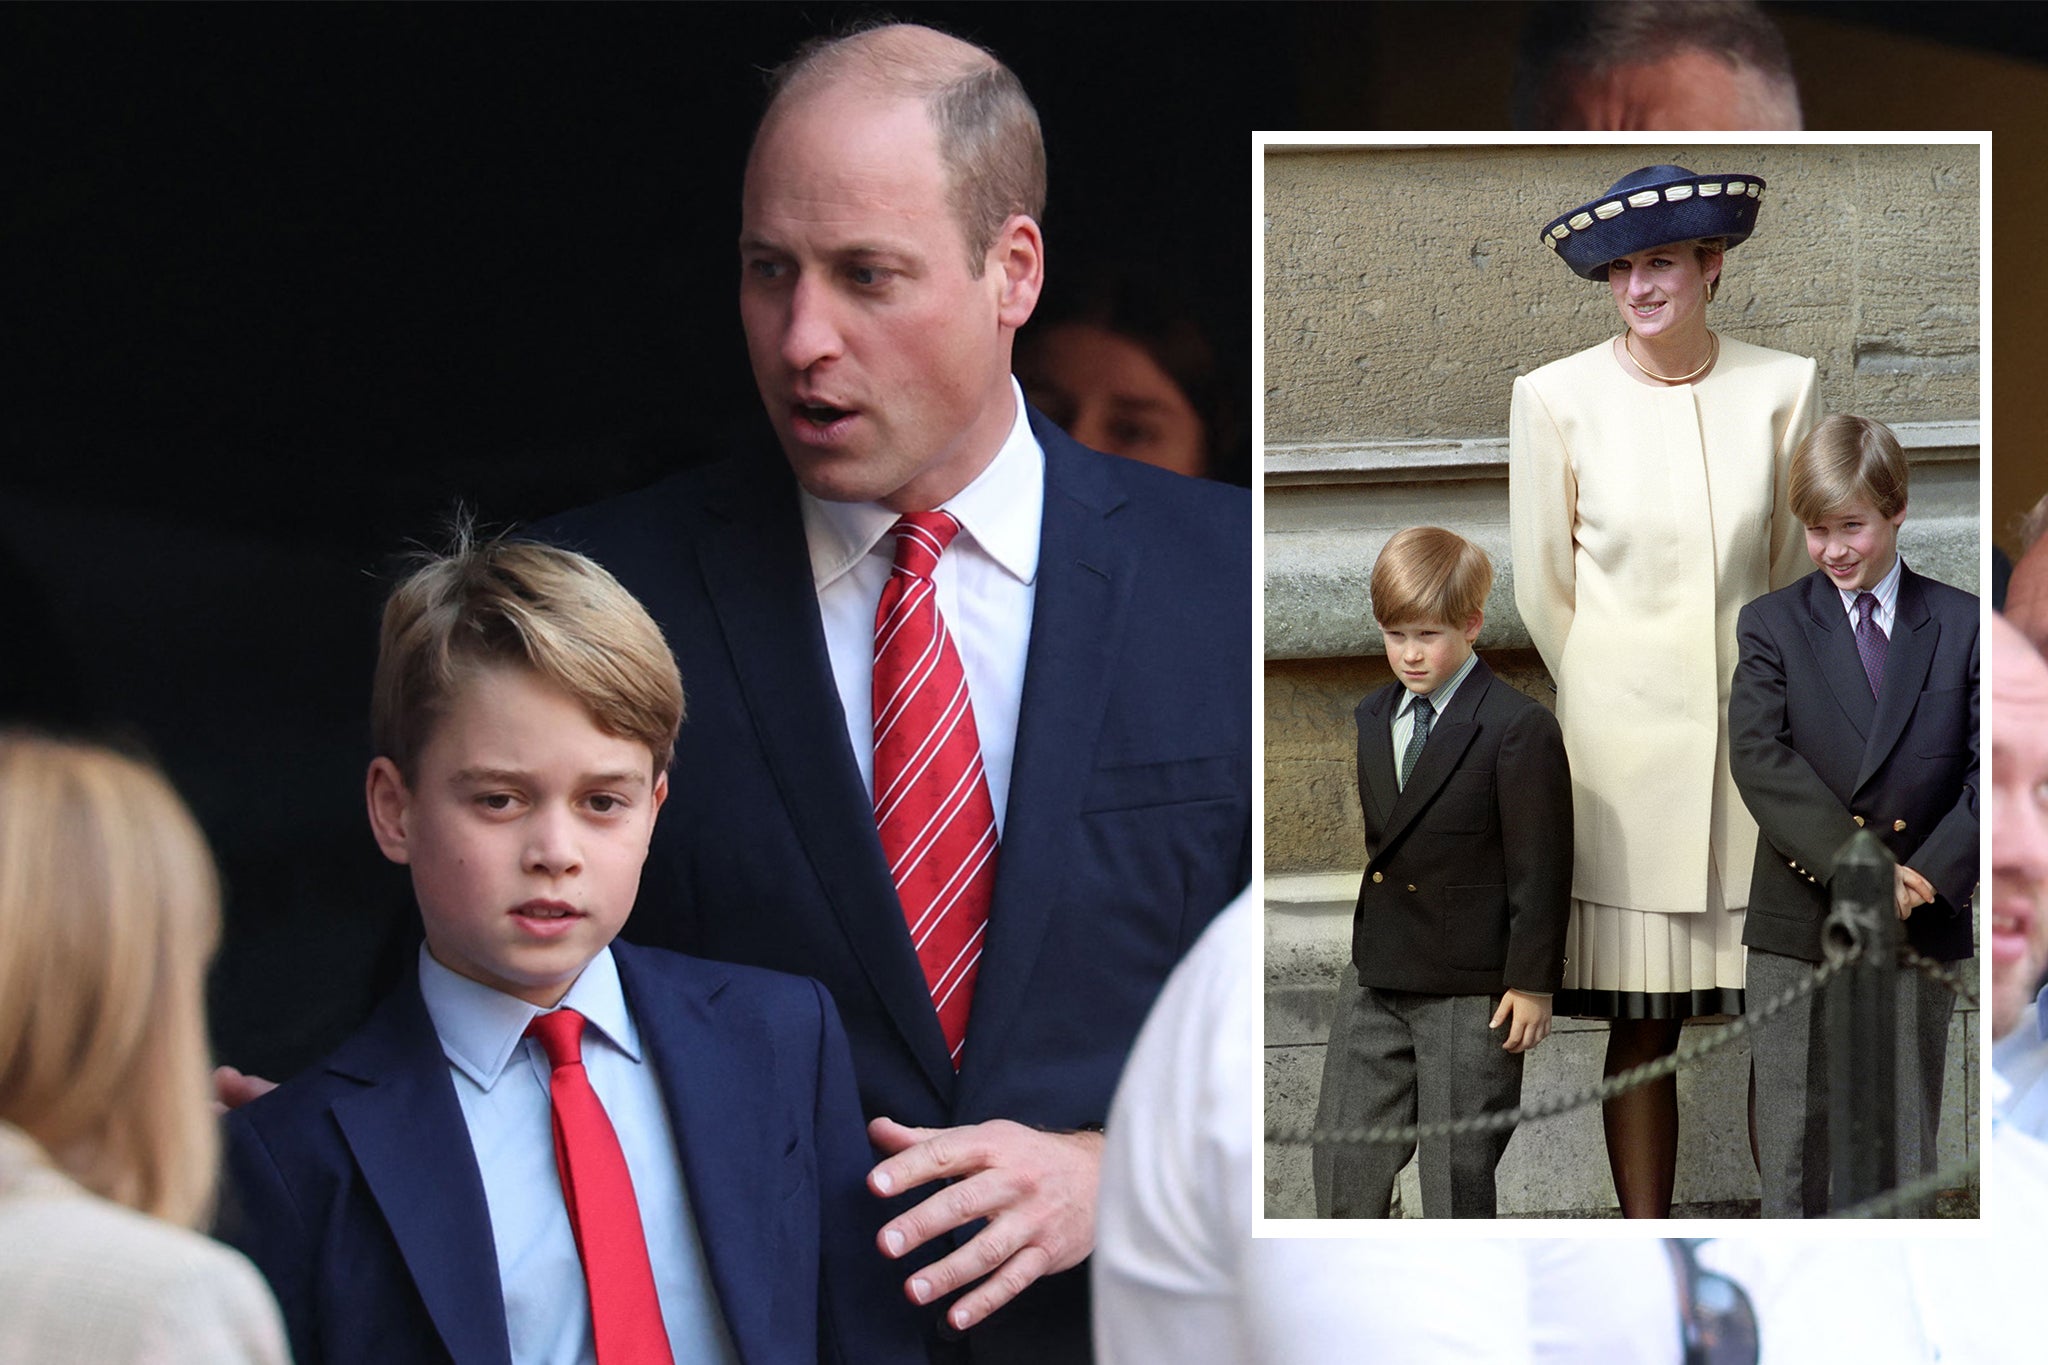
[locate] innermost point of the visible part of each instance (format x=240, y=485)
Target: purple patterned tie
x=1870, y=641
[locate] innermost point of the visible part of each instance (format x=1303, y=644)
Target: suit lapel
x=703, y=1060
x=1906, y=661
x=1085, y=574
x=410, y=1141
x=1376, y=756
x=1449, y=737
x=757, y=573
x=1833, y=644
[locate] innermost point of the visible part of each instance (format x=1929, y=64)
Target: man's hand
x=1909, y=889
x=1530, y=1016
x=232, y=1089
x=1037, y=1191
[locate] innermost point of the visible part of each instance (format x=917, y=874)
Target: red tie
x=932, y=805
x=625, y=1312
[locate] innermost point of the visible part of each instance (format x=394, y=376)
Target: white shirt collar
x=1886, y=590
x=997, y=511
x=480, y=1027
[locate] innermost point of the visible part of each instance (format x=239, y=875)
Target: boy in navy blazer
x=1458, y=938
x=406, y=1199
x=1854, y=707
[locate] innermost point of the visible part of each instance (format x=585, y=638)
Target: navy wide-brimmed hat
x=1654, y=206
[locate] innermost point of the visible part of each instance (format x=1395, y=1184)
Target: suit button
x=1379, y=876
x=1898, y=826
x=1411, y=886
x=1859, y=821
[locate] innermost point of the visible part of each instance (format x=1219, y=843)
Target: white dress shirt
x=501, y=1079
x=1887, y=593
x=984, y=582
x=2021, y=1060
x=1404, y=714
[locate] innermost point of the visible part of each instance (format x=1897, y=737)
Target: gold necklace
x=1713, y=350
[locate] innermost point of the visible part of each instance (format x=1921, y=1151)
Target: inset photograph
x=1621, y=548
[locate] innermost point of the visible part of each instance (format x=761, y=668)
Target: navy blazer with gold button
x=1468, y=871
x=1817, y=757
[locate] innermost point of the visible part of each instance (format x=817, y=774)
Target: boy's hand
x=1037, y=1191
x=1529, y=1017
x=1909, y=889
x=232, y=1089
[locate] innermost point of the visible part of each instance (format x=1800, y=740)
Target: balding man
x=2019, y=871
x=994, y=852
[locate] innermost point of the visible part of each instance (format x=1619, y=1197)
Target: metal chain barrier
x=1547, y=1107
x=1883, y=1206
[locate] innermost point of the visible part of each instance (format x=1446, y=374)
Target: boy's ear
x=660, y=791
x=390, y=805
x=1472, y=625
x=1897, y=519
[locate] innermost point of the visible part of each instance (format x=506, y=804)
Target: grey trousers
x=1397, y=1058
x=1790, y=1054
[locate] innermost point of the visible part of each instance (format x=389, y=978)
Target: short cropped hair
x=498, y=602
x=1426, y=573
x=109, y=913
x=989, y=138
x=1844, y=460
x=1564, y=42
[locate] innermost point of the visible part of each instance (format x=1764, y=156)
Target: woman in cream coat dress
x=1647, y=501
x=108, y=1144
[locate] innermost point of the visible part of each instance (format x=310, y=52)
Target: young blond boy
x=1854, y=707
x=1458, y=938
x=406, y=1199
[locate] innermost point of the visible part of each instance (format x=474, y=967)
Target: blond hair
x=1848, y=459
x=988, y=133
x=109, y=913
x=1426, y=573
x=516, y=602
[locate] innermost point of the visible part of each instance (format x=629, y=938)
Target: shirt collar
x=1440, y=698
x=480, y=1028
x=1000, y=510
x=1886, y=591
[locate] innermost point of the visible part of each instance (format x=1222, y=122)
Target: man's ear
x=390, y=806
x=1017, y=257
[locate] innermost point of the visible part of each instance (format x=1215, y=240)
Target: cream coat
x=1642, y=519
x=84, y=1281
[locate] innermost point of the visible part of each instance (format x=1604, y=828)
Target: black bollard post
x=1861, y=1046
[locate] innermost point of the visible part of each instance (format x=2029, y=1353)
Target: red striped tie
x=932, y=805
x=625, y=1311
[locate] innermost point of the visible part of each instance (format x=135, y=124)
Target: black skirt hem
x=1588, y=1004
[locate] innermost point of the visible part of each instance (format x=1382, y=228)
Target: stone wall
x=1405, y=288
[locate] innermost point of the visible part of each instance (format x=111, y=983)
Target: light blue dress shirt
x=501, y=1080
x=1886, y=591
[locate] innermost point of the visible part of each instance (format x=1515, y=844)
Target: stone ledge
x=1293, y=464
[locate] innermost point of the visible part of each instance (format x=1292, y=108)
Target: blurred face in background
x=1106, y=391
x=2019, y=824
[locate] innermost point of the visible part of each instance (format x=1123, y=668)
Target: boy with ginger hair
x=547, y=1146
x=1458, y=938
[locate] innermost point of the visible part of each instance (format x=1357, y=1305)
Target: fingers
x=232, y=1089
x=998, y=1289
x=1506, y=1010
x=917, y=1156
x=954, y=1206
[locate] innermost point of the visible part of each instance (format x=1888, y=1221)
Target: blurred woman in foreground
x=109, y=912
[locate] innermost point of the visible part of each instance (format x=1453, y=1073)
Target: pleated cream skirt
x=1646, y=964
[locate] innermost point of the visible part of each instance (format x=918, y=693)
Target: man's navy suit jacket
x=1817, y=757
x=1129, y=814
x=355, y=1190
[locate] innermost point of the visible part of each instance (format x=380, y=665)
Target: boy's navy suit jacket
x=355, y=1190
x=1817, y=757
x=1468, y=868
